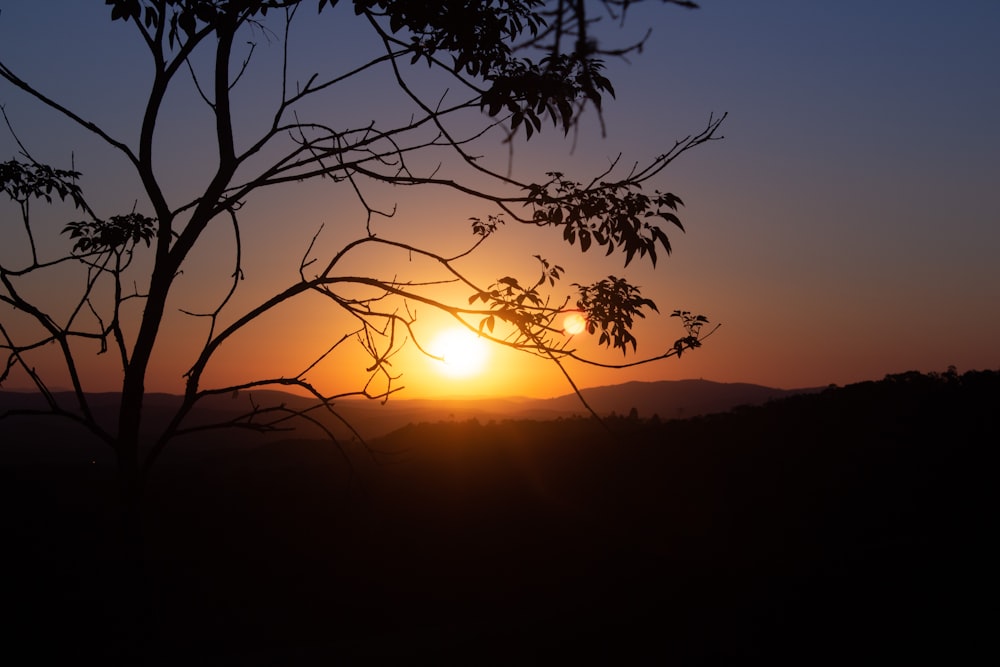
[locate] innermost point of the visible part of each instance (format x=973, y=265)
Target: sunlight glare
x=574, y=323
x=464, y=352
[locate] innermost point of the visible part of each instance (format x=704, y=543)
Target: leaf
x=670, y=217
x=186, y=22
x=395, y=22
x=658, y=235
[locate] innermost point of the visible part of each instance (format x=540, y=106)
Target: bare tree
x=496, y=71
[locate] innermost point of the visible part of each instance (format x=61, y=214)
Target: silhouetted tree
x=513, y=66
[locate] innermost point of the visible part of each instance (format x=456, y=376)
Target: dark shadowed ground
x=848, y=526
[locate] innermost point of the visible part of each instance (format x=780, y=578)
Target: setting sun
x=574, y=323
x=463, y=352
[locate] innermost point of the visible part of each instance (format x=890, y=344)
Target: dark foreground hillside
x=845, y=526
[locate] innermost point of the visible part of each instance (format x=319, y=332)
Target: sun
x=463, y=352
x=574, y=323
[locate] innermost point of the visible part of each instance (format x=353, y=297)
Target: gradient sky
x=846, y=227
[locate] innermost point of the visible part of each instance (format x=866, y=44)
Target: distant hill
x=671, y=399
x=668, y=399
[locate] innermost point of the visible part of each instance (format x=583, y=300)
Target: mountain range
x=667, y=399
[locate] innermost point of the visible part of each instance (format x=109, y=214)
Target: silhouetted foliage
x=525, y=63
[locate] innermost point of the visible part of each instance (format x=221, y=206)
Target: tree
x=473, y=73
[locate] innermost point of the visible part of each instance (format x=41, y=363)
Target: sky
x=845, y=228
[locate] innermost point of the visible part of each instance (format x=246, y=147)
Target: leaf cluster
x=22, y=181
x=551, y=87
x=516, y=303
x=476, y=34
x=113, y=234
x=480, y=38
x=611, y=306
x=618, y=216
x=508, y=298
x=692, y=324
x=486, y=227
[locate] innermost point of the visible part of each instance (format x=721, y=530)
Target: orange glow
x=462, y=353
x=574, y=323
